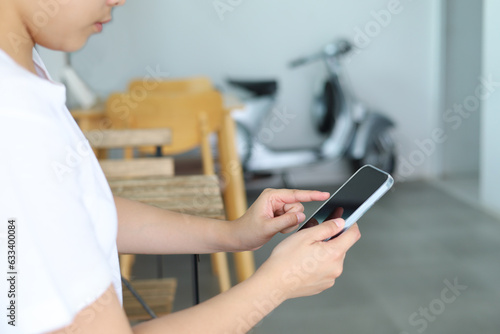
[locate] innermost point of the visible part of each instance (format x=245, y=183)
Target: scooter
x=349, y=129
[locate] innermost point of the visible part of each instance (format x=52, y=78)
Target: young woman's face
x=66, y=25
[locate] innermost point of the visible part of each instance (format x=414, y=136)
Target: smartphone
x=353, y=198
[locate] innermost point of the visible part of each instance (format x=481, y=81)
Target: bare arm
x=144, y=229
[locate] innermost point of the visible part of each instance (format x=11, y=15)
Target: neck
x=15, y=38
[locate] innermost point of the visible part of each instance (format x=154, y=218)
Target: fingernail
x=338, y=222
x=300, y=216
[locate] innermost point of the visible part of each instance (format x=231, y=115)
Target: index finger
x=347, y=239
x=294, y=195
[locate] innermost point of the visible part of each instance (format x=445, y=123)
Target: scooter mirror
x=337, y=48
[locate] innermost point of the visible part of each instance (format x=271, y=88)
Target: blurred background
x=428, y=258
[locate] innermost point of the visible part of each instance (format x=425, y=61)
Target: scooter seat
x=257, y=88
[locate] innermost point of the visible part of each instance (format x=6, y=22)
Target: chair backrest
x=177, y=86
x=115, y=168
x=106, y=139
x=190, y=116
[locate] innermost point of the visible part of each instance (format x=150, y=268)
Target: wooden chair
x=168, y=86
x=128, y=139
x=190, y=126
x=115, y=168
x=234, y=194
x=192, y=117
x=158, y=293
x=145, y=87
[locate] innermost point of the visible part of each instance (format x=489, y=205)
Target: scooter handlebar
x=332, y=50
x=305, y=60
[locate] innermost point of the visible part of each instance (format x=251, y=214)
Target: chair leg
x=126, y=264
x=234, y=191
x=159, y=266
x=220, y=267
x=214, y=264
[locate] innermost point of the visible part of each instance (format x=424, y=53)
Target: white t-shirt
x=51, y=183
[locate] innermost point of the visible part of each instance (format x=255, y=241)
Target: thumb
x=326, y=229
x=288, y=222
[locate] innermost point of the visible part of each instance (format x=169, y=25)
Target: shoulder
x=24, y=91
x=31, y=111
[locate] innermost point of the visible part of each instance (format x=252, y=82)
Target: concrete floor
x=416, y=241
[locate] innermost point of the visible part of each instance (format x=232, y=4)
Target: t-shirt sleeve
x=60, y=262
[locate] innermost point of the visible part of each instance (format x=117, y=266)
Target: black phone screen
x=349, y=197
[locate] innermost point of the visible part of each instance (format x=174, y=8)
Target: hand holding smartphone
x=353, y=198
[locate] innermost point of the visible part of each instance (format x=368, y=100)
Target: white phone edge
x=363, y=207
x=370, y=201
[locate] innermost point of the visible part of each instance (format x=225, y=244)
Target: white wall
x=396, y=72
x=490, y=122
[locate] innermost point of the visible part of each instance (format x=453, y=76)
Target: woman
x=70, y=227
